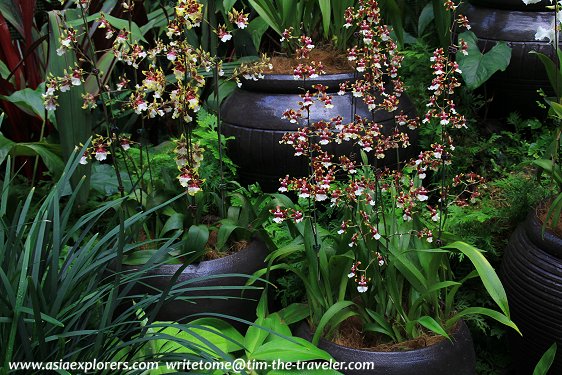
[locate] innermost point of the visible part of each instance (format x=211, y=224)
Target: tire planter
x=515, y=89
x=252, y=115
x=531, y=273
x=240, y=303
x=444, y=358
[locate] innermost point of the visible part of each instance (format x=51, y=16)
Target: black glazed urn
x=531, y=273
x=511, y=21
x=222, y=299
x=253, y=116
x=443, y=358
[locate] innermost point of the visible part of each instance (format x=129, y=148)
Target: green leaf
x=226, y=330
x=486, y=272
x=4, y=70
x=297, y=349
x=477, y=67
x=556, y=107
x=483, y=311
x=29, y=101
x=552, y=71
x=228, y=4
x=225, y=231
x=73, y=123
x=382, y=324
x=196, y=239
x=124, y=24
x=426, y=17
x=294, y=313
x=45, y=317
x=255, y=336
x=174, y=222
x=325, y=10
x=546, y=361
x=49, y=153
x=330, y=317
x=267, y=10
x=256, y=28
x=104, y=180
x=431, y=324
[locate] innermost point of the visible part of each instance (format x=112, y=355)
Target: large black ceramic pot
x=532, y=276
x=515, y=89
x=239, y=303
x=443, y=358
x=512, y=4
x=252, y=115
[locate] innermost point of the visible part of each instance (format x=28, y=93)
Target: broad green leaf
x=257, y=27
x=73, y=123
x=294, y=313
x=255, y=336
x=426, y=17
x=225, y=231
x=477, y=67
x=49, y=153
x=174, y=222
x=486, y=272
x=196, y=238
x=546, y=361
x=124, y=24
x=557, y=107
x=104, y=181
x=300, y=350
x=226, y=330
x=431, y=324
x=29, y=101
x=228, y=4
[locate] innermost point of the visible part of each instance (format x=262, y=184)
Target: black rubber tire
x=252, y=115
x=531, y=272
x=444, y=358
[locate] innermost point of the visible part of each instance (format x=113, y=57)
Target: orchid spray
x=162, y=79
x=380, y=264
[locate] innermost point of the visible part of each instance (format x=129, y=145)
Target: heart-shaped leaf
x=477, y=67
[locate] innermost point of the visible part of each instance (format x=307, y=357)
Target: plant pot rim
x=214, y=266
x=459, y=331
x=547, y=240
x=287, y=84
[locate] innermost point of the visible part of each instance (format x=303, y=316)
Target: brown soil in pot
x=334, y=62
x=350, y=335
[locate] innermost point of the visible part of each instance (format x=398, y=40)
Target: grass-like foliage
x=58, y=301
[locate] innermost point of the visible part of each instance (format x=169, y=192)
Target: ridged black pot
x=252, y=115
x=444, y=358
x=531, y=273
x=512, y=4
x=240, y=304
x=515, y=89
